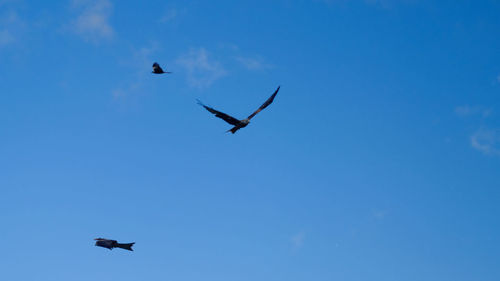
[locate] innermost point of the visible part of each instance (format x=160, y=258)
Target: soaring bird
x=238, y=124
x=157, y=69
x=110, y=244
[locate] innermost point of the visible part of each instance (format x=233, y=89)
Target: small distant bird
x=157, y=69
x=238, y=124
x=110, y=244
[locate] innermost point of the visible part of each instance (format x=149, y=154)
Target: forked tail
x=126, y=246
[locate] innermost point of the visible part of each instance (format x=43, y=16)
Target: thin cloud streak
x=253, y=63
x=486, y=141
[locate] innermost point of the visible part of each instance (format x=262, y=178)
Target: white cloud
x=297, y=240
x=93, y=21
x=202, y=70
x=253, y=63
x=486, y=141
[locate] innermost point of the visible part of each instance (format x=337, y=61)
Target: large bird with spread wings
x=110, y=244
x=238, y=124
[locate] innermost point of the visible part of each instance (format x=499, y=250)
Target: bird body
x=110, y=244
x=157, y=69
x=238, y=124
x=242, y=124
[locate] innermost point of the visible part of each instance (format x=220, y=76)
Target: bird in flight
x=157, y=69
x=238, y=124
x=110, y=244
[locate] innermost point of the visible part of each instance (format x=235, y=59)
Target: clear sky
x=378, y=160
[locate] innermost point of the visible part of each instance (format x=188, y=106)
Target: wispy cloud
x=253, y=63
x=486, y=141
x=92, y=23
x=297, y=240
x=467, y=110
x=379, y=214
x=202, y=70
x=139, y=63
x=10, y=27
x=169, y=15
x=6, y=37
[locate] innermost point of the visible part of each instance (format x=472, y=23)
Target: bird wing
x=265, y=104
x=229, y=119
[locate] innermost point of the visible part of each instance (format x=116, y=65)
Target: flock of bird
x=237, y=124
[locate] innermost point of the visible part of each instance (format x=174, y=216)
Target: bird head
x=245, y=121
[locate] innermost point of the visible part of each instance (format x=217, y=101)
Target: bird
x=110, y=244
x=158, y=70
x=238, y=124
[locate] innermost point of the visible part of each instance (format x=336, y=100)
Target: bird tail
x=126, y=246
x=233, y=129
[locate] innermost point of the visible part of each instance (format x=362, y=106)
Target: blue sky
x=378, y=159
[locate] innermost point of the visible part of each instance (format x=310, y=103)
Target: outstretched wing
x=266, y=104
x=229, y=119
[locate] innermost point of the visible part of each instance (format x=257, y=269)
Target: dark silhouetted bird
x=238, y=124
x=157, y=69
x=110, y=244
